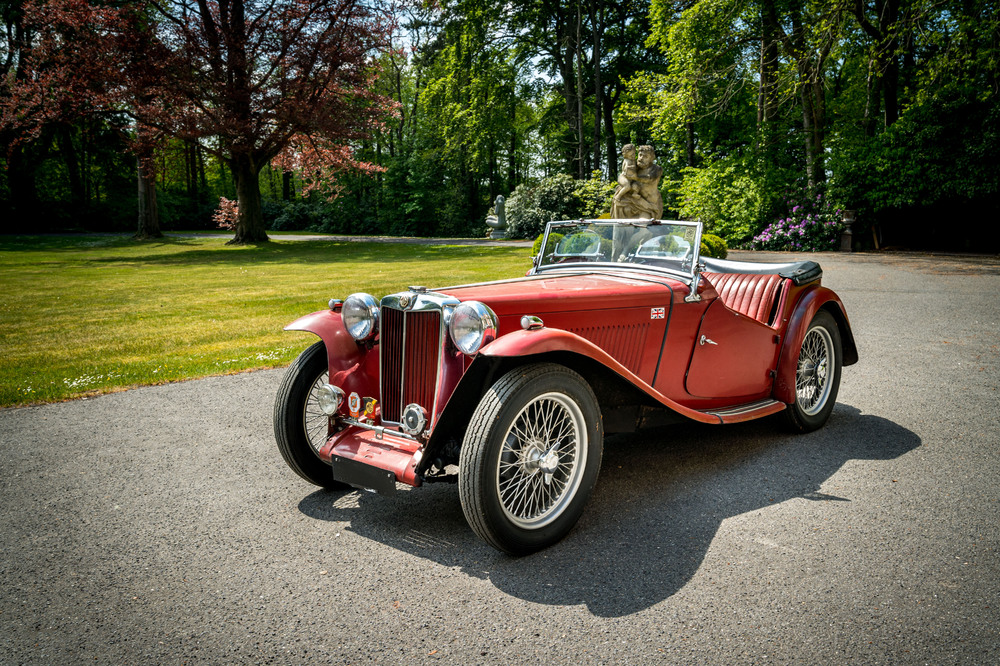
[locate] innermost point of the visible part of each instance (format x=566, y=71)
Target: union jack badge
x=658, y=313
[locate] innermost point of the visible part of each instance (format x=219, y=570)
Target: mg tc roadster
x=508, y=388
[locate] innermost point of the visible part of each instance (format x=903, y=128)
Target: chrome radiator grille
x=410, y=344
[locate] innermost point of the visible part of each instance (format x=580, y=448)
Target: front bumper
x=373, y=459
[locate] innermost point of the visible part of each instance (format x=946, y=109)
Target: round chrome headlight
x=472, y=325
x=360, y=315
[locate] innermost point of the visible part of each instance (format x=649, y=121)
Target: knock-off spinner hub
x=540, y=459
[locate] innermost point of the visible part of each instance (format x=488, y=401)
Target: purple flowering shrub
x=812, y=225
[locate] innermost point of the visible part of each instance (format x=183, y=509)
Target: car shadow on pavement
x=659, y=502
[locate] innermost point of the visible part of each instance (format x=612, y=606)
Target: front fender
x=548, y=340
x=353, y=367
x=814, y=300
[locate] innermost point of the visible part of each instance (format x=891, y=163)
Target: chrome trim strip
x=742, y=409
x=402, y=369
x=680, y=276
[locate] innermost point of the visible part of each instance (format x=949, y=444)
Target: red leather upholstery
x=752, y=295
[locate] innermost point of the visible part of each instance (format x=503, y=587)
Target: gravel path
x=160, y=525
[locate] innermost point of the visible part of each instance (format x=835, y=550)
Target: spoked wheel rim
x=812, y=380
x=315, y=423
x=542, y=461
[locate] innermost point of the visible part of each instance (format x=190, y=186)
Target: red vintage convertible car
x=508, y=387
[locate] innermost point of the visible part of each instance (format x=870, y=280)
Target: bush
x=713, y=246
x=298, y=216
x=271, y=211
x=938, y=160
x=595, y=196
x=530, y=208
x=550, y=247
x=729, y=202
x=812, y=225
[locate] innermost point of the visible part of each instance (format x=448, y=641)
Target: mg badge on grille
x=405, y=300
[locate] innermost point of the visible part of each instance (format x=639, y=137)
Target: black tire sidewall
x=289, y=430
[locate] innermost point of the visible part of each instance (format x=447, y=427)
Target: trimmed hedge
x=713, y=246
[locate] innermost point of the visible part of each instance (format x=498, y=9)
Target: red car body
x=719, y=346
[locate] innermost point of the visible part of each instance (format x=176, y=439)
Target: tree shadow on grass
x=156, y=251
x=312, y=252
x=658, y=504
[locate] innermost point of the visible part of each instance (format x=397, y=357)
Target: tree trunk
x=883, y=64
x=596, y=25
x=611, y=139
x=512, y=154
x=888, y=25
x=581, y=141
x=23, y=194
x=873, y=101
x=85, y=160
x=202, y=176
x=562, y=54
x=250, y=219
x=190, y=182
x=767, y=98
x=818, y=92
x=689, y=144
x=807, y=131
x=492, y=175
x=149, y=215
x=890, y=88
x=813, y=121
x=68, y=149
x=569, y=91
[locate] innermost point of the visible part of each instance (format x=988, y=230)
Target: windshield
x=659, y=244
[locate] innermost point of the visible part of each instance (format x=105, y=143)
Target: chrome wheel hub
x=537, y=460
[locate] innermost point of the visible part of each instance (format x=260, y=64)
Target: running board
x=747, y=412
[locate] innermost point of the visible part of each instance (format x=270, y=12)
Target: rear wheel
x=300, y=426
x=817, y=376
x=530, y=458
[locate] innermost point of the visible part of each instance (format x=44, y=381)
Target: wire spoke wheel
x=817, y=375
x=530, y=457
x=812, y=385
x=539, y=468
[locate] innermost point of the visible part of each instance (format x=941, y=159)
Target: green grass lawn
x=87, y=315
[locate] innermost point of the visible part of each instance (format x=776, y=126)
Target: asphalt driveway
x=160, y=525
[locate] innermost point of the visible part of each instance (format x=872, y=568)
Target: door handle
x=706, y=341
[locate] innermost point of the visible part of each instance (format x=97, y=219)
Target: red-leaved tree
x=61, y=75
x=245, y=78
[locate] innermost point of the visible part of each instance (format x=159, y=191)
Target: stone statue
x=497, y=220
x=638, y=192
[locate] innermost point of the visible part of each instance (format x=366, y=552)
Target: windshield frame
x=686, y=274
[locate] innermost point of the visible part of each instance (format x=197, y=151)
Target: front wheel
x=817, y=376
x=530, y=458
x=300, y=426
